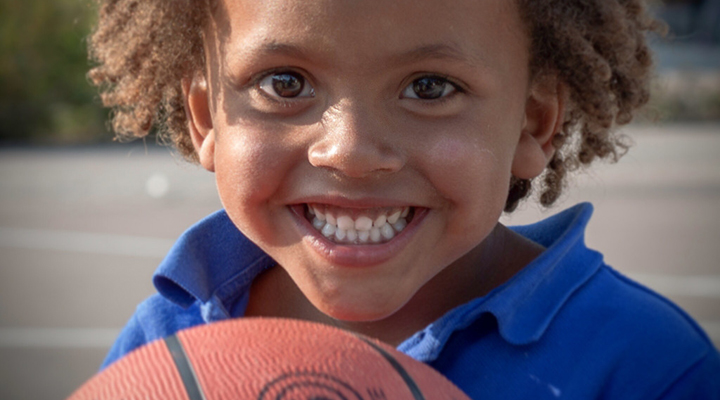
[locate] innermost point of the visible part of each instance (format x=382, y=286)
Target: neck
x=474, y=275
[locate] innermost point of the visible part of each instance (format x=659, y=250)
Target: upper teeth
x=342, y=228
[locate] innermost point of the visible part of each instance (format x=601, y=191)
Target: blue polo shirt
x=566, y=326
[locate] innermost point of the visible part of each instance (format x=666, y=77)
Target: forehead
x=365, y=32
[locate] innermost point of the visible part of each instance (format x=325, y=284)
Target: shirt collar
x=214, y=263
x=525, y=305
x=211, y=262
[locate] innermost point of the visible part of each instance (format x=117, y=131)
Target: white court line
x=57, y=337
x=707, y=286
x=83, y=242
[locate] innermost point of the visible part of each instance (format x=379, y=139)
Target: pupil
x=287, y=84
x=429, y=87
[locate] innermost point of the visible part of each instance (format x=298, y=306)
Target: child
x=364, y=151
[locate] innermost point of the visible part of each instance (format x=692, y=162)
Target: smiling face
x=367, y=146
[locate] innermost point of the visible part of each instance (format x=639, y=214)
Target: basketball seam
x=414, y=389
x=184, y=368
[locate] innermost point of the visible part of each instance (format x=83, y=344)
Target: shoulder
x=620, y=302
x=154, y=318
x=637, y=337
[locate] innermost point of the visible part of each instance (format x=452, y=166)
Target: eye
x=428, y=88
x=286, y=85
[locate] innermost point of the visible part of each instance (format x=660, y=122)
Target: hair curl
x=597, y=48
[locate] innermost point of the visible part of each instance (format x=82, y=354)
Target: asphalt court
x=81, y=231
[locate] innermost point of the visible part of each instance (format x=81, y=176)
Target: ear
x=544, y=117
x=200, y=125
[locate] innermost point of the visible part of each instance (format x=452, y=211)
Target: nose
x=355, y=142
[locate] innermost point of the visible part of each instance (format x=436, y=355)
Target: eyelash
x=457, y=88
x=292, y=101
x=255, y=81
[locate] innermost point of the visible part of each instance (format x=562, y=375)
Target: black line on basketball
x=313, y=385
x=414, y=389
x=192, y=387
x=304, y=379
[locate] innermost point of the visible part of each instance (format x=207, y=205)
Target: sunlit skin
x=362, y=132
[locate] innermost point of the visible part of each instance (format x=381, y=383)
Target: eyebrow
x=274, y=47
x=426, y=52
x=436, y=52
x=271, y=48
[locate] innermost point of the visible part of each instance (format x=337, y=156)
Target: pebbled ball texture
x=264, y=359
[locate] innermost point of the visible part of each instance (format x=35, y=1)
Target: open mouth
x=358, y=226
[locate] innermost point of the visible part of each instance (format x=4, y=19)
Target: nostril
x=354, y=141
x=355, y=159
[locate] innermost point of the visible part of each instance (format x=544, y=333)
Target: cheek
x=473, y=174
x=466, y=169
x=249, y=167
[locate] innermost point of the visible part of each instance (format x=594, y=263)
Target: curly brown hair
x=597, y=48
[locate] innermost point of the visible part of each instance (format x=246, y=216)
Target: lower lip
x=356, y=256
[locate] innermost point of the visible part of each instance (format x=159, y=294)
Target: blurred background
x=85, y=220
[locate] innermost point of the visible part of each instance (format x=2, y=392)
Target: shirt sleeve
x=700, y=381
x=131, y=337
x=154, y=318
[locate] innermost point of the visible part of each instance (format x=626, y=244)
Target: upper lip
x=344, y=202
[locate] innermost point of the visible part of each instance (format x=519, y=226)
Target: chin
x=357, y=311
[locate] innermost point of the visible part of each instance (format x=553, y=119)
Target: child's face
x=361, y=108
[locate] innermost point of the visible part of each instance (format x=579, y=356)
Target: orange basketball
x=264, y=359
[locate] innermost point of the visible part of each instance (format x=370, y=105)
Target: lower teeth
x=351, y=236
